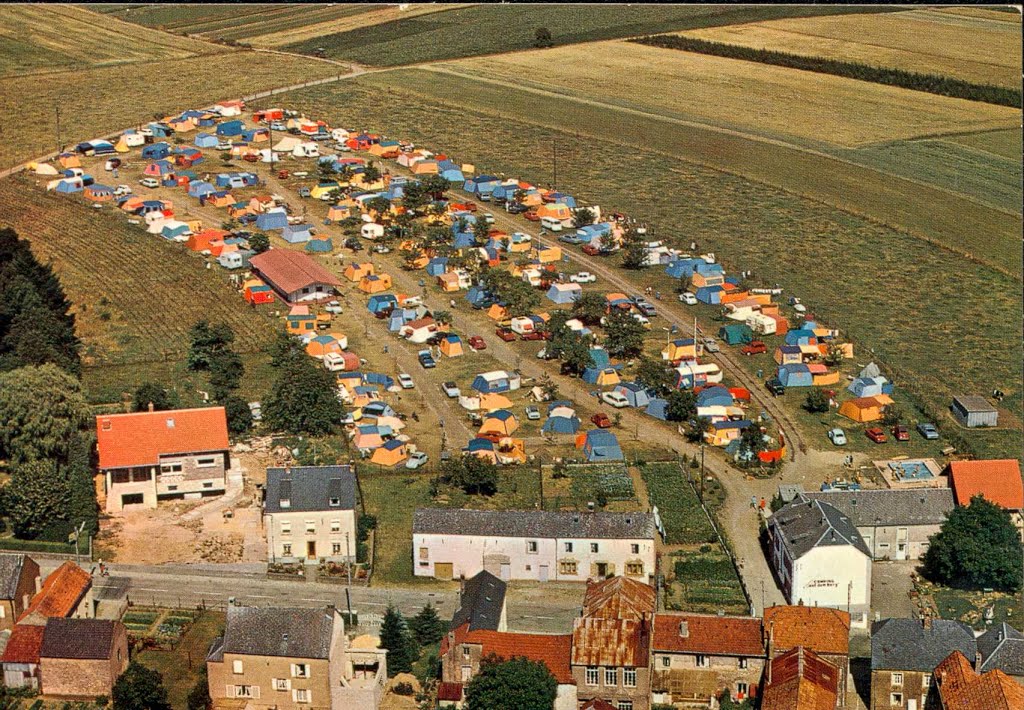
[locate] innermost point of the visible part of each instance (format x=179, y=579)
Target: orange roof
x=618, y=598
x=819, y=629
x=60, y=593
x=998, y=480
x=610, y=642
x=551, y=650
x=961, y=688
x=139, y=439
x=24, y=644
x=708, y=634
x=801, y=681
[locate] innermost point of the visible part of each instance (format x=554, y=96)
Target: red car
x=282, y=174
x=754, y=347
x=532, y=215
x=876, y=435
x=533, y=335
x=601, y=420
x=505, y=334
x=900, y=433
x=250, y=157
x=477, y=343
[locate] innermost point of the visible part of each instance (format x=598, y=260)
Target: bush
x=403, y=689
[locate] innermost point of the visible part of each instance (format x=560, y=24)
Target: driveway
x=890, y=589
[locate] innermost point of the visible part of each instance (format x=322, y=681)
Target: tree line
x=930, y=83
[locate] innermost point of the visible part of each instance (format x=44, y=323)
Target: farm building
x=564, y=293
x=294, y=276
x=865, y=409
x=599, y=445
x=974, y=411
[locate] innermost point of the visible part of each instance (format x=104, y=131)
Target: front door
x=602, y=569
x=506, y=571
x=901, y=551
x=310, y=549
x=543, y=573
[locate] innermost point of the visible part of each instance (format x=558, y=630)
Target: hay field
x=912, y=302
x=979, y=50
x=1006, y=144
x=96, y=101
x=56, y=37
x=744, y=96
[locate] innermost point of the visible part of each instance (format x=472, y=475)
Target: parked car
x=353, y=244
x=304, y=192
x=775, y=386
x=450, y=389
x=615, y=399
x=533, y=335
x=333, y=307
x=223, y=145
x=515, y=207
x=251, y=158
x=837, y=437
x=900, y=433
x=531, y=214
x=282, y=174
x=382, y=249
x=583, y=277
x=601, y=420
x=477, y=343
x=711, y=346
x=645, y=307
x=426, y=359
x=754, y=347
x=928, y=431
x=416, y=459
x=488, y=218
x=405, y=381
x=505, y=334
x=688, y=298
x=149, y=182
x=122, y=190
x=532, y=413
x=876, y=435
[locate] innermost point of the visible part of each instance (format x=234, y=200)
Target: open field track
x=982, y=51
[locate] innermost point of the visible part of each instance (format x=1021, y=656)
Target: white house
x=533, y=544
x=820, y=558
x=309, y=514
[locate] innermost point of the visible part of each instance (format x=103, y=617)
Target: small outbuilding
x=974, y=411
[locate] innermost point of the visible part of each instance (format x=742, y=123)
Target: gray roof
x=10, y=573
x=534, y=523
x=87, y=639
x=279, y=631
x=886, y=507
x=907, y=645
x=1002, y=647
x=310, y=488
x=481, y=603
x=805, y=525
x=974, y=403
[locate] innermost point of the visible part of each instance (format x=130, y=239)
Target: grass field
x=180, y=668
x=1006, y=144
x=586, y=483
x=57, y=37
x=96, y=101
x=910, y=301
x=135, y=294
x=980, y=50
x=508, y=27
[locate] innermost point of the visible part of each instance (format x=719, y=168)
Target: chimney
x=977, y=661
x=150, y=407
x=684, y=629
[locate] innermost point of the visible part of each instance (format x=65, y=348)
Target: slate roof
x=481, y=603
x=1002, y=647
x=280, y=632
x=140, y=438
x=534, y=523
x=806, y=525
x=10, y=573
x=908, y=645
x=708, y=634
x=888, y=507
x=81, y=639
x=310, y=488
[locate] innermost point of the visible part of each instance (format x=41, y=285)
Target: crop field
x=577, y=485
x=981, y=50
x=912, y=302
x=97, y=101
x=56, y=37
x=680, y=511
x=1005, y=144
x=135, y=295
x=508, y=27
x=705, y=582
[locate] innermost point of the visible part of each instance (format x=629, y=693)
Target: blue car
x=426, y=359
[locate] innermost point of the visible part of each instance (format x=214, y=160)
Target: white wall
x=823, y=577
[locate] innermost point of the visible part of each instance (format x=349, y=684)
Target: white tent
x=287, y=144
x=44, y=169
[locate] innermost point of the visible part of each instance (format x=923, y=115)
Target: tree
x=752, y=441
x=549, y=387
x=518, y=684
x=205, y=340
x=259, y=242
x=542, y=38
x=226, y=370
x=443, y=317
x=681, y=405
x=834, y=354
x=42, y=409
x=371, y=173
x=303, y=399
x=36, y=496
x=817, y=401
x=140, y=688
x=590, y=307
x=284, y=348
x=381, y=206
x=515, y=294
x=634, y=251
x=395, y=637
x=238, y=414
x=161, y=398
x=427, y=627
x=977, y=547
x=892, y=415
x=583, y=217
x=624, y=335
x=654, y=375
x=474, y=475
x=199, y=697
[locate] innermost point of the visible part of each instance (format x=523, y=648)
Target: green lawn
x=181, y=667
x=969, y=606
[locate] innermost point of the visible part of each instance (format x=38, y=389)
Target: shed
x=974, y=411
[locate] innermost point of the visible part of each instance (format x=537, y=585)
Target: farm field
x=679, y=508
x=504, y=28
x=917, y=303
x=983, y=50
x=1006, y=144
x=97, y=101
x=57, y=37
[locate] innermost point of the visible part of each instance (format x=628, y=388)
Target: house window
x=629, y=677
x=634, y=569
x=625, y=705
x=286, y=549
x=300, y=670
x=897, y=680
x=424, y=553
x=244, y=691
x=170, y=468
x=467, y=674
x=666, y=661
x=531, y=546
x=702, y=661
x=282, y=684
x=206, y=462
x=334, y=502
x=741, y=690
x=311, y=526
x=635, y=549
x=335, y=526
x=301, y=695
x=236, y=667
x=896, y=698
x=611, y=676
x=568, y=568
x=594, y=548
x=592, y=676
x=305, y=289
x=743, y=664
x=286, y=528
x=172, y=488
x=926, y=681
x=335, y=548
x=465, y=652
x=568, y=547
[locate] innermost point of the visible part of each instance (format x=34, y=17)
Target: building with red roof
x=997, y=480
x=66, y=593
x=20, y=659
x=961, y=687
x=296, y=277
x=824, y=631
x=800, y=679
x=145, y=457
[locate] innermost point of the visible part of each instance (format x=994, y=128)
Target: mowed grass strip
x=924, y=41
x=945, y=325
x=94, y=102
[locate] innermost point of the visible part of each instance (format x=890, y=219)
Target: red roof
x=998, y=480
x=551, y=650
x=819, y=629
x=139, y=439
x=801, y=681
x=598, y=704
x=619, y=598
x=961, y=688
x=290, y=270
x=24, y=644
x=708, y=634
x=61, y=592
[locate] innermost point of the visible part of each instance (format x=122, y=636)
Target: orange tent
x=556, y=210
x=375, y=283
x=391, y=453
x=864, y=409
x=497, y=312
x=200, y=241
x=355, y=272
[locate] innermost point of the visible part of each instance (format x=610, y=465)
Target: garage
x=131, y=499
x=443, y=570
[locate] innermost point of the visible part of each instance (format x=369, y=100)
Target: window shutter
x=230, y=691
x=295, y=671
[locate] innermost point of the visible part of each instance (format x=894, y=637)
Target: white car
x=615, y=399
x=688, y=298
x=122, y=190
x=641, y=319
x=149, y=182
x=583, y=277
x=488, y=218
x=333, y=307
x=711, y=346
x=223, y=146
x=382, y=249
x=412, y=301
x=406, y=381
x=451, y=389
x=416, y=459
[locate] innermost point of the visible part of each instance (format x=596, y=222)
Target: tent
x=375, y=283
x=599, y=445
x=205, y=140
x=99, y=193
x=736, y=333
x=795, y=376
x=156, y=151
x=391, y=453
x=561, y=420
x=451, y=346
x=320, y=246
x=496, y=381
x=681, y=349
x=501, y=422
x=634, y=393
x=43, y=169
x=295, y=233
x=437, y=266
x=200, y=188
x=497, y=312
x=564, y=293
x=321, y=345
x=381, y=302
x=274, y=219
x=479, y=298
x=230, y=128
x=711, y=295
x=255, y=291
x=714, y=397
x=864, y=409
x=602, y=377
x=801, y=336
x=484, y=448
x=870, y=386
x=355, y=272
x=658, y=408
x=721, y=433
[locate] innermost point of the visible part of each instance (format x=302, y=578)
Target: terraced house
x=533, y=544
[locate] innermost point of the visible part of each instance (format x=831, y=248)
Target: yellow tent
x=607, y=378
x=511, y=451
x=864, y=409
x=501, y=422
x=492, y=401
x=121, y=146
x=390, y=454
x=451, y=346
x=355, y=272
x=318, y=192
x=546, y=255
x=556, y=210
x=683, y=349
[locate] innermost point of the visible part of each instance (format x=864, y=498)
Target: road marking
x=144, y=589
x=546, y=618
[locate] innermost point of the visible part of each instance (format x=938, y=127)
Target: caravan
x=551, y=224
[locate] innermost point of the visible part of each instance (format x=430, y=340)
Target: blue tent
x=379, y=378
x=437, y=266
x=453, y=175
x=870, y=386
x=378, y=409
x=561, y=425
x=592, y=374
x=634, y=393
x=801, y=336
x=711, y=295
x=156, y=151
x=795, y=376
x=160, y=130
x=714, y=397
x=682, y=268
x=237, y=180
x=479, y=444
x=295, y=234
x=463, y=240
x=173, y=231
x=563, y=198
x=602, y=445
x=69, y=185
x=320, y=246
x=200, y=188
x=564, y=293
x=380, y=302
x=599, y=357
x=230, y=128
x=708, y=270
x=658, y=408
x=399, y=317
x=479, y=298
x=277, y=219
x=492, y=382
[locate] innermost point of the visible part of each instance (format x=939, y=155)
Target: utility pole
x=59, y=146
x=554, y=165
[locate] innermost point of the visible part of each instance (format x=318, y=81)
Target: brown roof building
x=19, y=580
x=800, y=679
x=66, y=593
x=295, y=276
x=82, y=657
x=822, y=630
x=960, y=687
